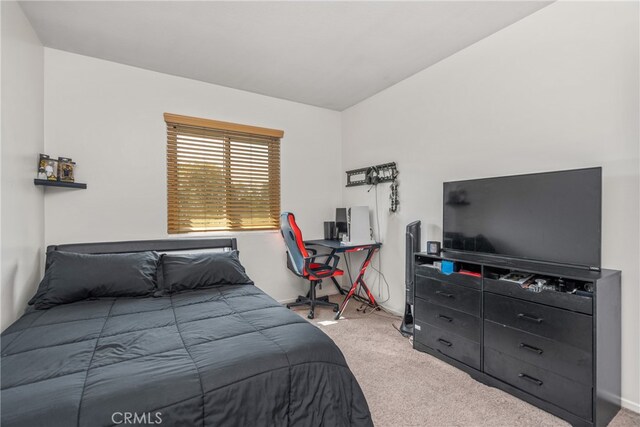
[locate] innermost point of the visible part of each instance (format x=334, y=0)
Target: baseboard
x=632, y=406
x=394, y=312
x=387, y=309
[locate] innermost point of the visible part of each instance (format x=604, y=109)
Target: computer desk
x=338, y=247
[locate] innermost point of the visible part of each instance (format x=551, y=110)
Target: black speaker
x=341, y=221
x=329, y=230
x=412, y=245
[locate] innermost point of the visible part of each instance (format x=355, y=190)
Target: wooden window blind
x=221, y=176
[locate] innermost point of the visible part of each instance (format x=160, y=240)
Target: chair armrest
x=329, y=257
x=325, y=273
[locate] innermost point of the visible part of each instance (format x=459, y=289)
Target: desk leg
x=338, y=287
x=333, y=279
x=359, y=282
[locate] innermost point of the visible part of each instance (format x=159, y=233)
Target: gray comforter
x=225, y=356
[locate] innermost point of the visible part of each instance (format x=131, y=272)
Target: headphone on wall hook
x=372, y=176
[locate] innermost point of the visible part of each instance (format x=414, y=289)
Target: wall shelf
x=47, y=183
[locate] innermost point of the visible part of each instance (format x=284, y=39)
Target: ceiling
x=328, y=54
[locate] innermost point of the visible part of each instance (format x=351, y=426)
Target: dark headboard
x=165, y=245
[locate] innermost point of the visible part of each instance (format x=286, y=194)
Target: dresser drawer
x=564, y=360
x=581, y=304
x=448, y=343
x=571, y=328
x=569, y=395
x=453, y=278
x=450, y=320
x=454, y=296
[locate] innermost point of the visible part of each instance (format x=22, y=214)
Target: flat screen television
x=552, y=217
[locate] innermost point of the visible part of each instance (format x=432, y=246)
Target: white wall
x=557, y=90
x=22, y=206
x=109, y=118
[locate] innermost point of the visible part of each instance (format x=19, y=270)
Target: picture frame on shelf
x=47, y=168
x=66, y=169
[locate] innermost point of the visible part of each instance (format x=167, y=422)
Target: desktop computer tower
x=412, y=245
x=358, y=226
x=352, y=224
x=341, y=222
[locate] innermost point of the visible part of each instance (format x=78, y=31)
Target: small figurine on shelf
x=47, y=168
x=65, y=169
x=42, y=174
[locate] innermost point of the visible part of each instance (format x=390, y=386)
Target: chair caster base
x=314, y=303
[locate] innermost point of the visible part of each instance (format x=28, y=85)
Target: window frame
x=233, y=133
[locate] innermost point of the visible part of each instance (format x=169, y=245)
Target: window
x=221, y=176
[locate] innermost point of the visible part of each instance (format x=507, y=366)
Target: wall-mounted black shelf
x=48, y=183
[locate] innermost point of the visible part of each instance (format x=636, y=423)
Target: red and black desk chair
x=306, y=266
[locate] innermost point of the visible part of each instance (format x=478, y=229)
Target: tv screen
x=550, y=217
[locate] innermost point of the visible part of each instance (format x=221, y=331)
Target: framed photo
x=41, y=174
x=47, y=168
x=65, y=169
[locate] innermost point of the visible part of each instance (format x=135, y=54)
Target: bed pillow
x=72, y=277
x=202, y=270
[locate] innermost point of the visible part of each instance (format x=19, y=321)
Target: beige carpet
x=405, y=387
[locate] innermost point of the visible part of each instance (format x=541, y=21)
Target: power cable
x=381, y=276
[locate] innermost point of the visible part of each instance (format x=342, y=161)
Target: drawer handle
x=529, y=318
x=445, y=342
x=530, y=348
x=530, y=379
x=444, y=294
x=445, y=318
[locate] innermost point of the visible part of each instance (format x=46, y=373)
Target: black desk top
x=338, y=245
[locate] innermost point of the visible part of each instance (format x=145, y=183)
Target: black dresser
x=556, y=350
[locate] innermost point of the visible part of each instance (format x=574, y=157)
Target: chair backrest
x=295, y=245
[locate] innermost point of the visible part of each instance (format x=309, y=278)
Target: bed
x=226, y=355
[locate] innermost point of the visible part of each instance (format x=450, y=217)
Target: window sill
x=220, y=234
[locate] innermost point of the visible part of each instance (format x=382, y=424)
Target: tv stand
x=555, y=349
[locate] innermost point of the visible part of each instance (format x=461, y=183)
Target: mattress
x=223, y=356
